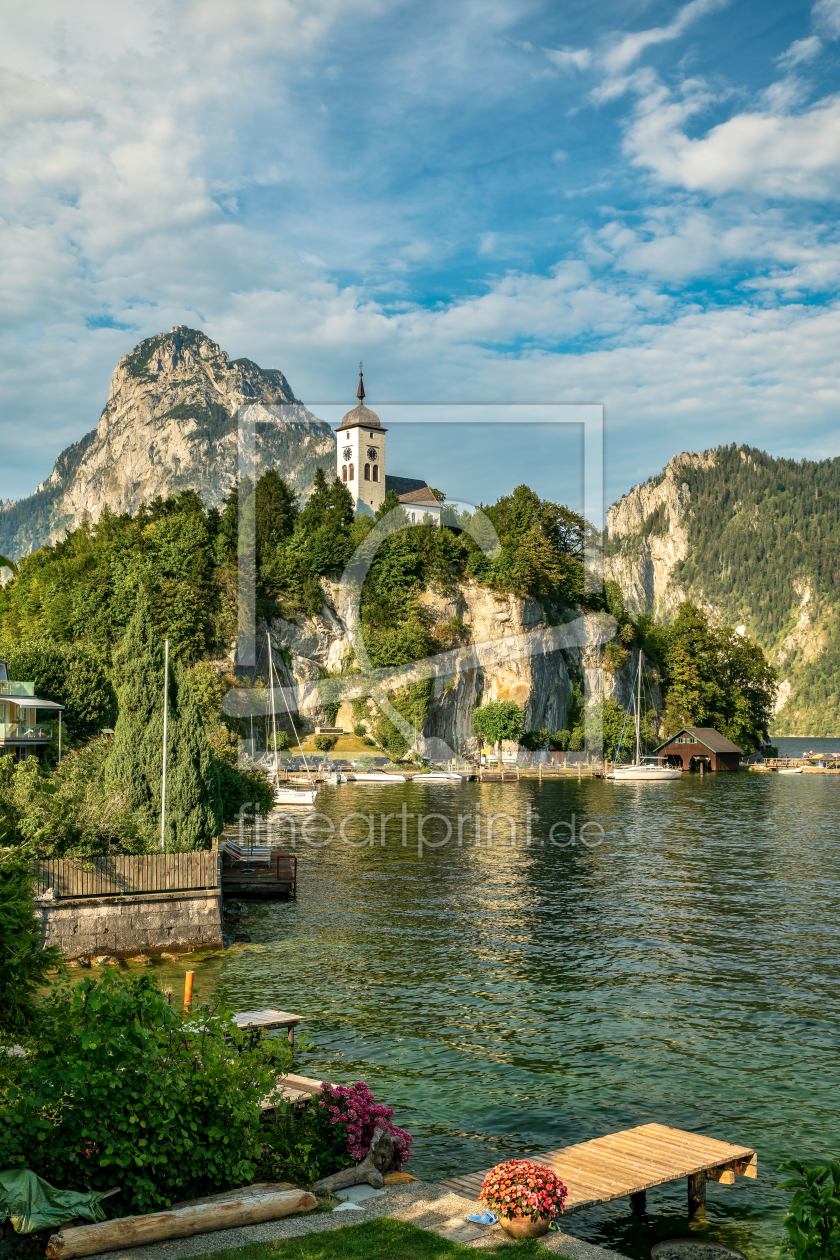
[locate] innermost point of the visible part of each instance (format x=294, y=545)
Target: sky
x=632, y=203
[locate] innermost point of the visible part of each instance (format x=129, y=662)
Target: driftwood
x=132, y=1231
x=376, y=1162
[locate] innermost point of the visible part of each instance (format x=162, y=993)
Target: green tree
x=276, y=513
x=135, y=765
x=193, y=796
x=715, y=677
x=24, y=962
x=498, y=720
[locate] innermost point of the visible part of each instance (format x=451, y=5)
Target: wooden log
x=133, y=1231
x=638, y=1202
x=726, y=1176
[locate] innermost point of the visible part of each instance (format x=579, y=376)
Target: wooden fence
x=112, y=876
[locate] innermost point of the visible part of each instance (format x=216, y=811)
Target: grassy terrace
x=381, y=1239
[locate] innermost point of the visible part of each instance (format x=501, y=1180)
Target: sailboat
x=287, y=794
x=640, y=771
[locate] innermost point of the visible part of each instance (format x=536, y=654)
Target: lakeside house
x=20, y=730
x=693, y=746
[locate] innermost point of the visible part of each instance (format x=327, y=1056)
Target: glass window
x=352, y=473
x=367, y=472
x=343, y=472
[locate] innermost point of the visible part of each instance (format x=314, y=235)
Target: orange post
x=188, y=984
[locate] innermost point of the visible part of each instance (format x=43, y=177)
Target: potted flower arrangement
x=525, y=1196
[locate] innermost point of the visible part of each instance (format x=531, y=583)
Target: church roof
x=361, y=417
x=403, y=485
x=420, y=498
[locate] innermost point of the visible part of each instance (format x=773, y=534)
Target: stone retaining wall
x=141, y=923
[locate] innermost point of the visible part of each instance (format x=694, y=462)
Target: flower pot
x=524, y=1227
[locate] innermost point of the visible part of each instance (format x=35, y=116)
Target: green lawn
x=380, y=1239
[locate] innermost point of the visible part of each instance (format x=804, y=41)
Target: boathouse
x=696, y=746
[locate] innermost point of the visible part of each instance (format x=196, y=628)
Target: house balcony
x=25, y=732
x=16, y=689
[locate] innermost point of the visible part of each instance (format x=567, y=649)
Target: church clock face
x=372, y=453
x=347, y=453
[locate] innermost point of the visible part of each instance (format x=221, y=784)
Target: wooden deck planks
x=624, y=1163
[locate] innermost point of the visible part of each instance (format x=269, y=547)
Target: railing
x=16, y=688
x=124, y=874
x=41, y=731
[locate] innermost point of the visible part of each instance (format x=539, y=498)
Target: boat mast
x=273, y=714
x=638, y=707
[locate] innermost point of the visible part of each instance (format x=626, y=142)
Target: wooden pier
x=631, y=1162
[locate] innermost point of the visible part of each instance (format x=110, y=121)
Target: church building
x=361, y=465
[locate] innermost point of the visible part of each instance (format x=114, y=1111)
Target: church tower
x=360, y=454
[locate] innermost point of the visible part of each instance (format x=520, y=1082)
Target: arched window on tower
x=352, y=473
x=367, y=472
x=375, y=472
x=343, y=472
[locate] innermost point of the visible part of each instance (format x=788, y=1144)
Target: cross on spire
x=360, y=392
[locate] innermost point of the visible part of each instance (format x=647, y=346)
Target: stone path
x=421, y=1203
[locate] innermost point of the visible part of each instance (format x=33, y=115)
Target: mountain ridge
x=752, y=540
x=169, y=423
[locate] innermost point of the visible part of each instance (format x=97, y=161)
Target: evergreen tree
x=136, y=761
x=193, y=796
x=23, y=962
x=276, y=513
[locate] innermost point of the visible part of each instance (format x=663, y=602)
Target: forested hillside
x=755, y=541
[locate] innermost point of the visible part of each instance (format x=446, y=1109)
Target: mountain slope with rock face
x=170, y=424
x=755, y=542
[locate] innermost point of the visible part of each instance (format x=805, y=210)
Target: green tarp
x=32, y=1204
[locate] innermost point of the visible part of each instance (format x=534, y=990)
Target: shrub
x=325, y=743
x=354, y=1113
x=123, y=1090
x=359, y=729
x=813, y=1219
x=23, y=963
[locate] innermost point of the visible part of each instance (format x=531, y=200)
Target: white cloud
x=800, y=52
x=570, y=58
x=826, y=17
x=630, y=47
x=776, y=155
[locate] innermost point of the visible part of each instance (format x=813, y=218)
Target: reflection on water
x=508, y=1000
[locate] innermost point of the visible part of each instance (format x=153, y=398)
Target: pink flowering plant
x=520, y=1188
x=354, y=1114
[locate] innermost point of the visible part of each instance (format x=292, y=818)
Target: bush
x=123, y=1091
x=325, y=743
x=359, y=729
x=813, y=1219
x=70, y=813
x=25, y=964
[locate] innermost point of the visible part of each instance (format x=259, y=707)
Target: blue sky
x=629, y=203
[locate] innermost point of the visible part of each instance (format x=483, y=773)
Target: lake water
x=510, y=999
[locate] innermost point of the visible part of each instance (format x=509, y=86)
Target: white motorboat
x=375, y=776
x=640, y=771
x=792, y=770
x=438, y=776
x=287, y=794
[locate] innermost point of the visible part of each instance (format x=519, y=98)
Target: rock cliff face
x=513, y=654
x=647, y=537
x=170, y=423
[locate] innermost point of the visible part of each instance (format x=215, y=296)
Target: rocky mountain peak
x=170, y=423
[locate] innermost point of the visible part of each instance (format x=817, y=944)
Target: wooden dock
x=632, y=1162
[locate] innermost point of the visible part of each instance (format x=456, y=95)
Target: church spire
x=360, y=392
